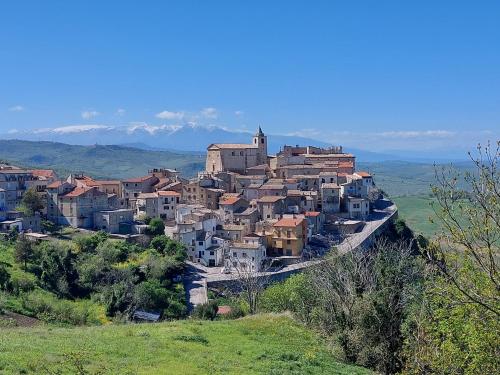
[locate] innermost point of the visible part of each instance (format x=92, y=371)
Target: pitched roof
x=269, y=199
x=168, y=193
x=229, y=200
x=230, y=146
x=312, y=213
x=54, y=185
x=289, y=222
x=47, y=173
x=363, y=174
x=76, y=192
x=140, y=179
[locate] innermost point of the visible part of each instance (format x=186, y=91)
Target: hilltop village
x=246, y=208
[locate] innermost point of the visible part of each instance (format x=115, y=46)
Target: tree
x=250, y=282
x=4, y=276
x=23, y=251
x=31, y=202
x=469, y=248
x=156, y=227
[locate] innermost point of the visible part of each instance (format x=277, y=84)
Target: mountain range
x=186, y=138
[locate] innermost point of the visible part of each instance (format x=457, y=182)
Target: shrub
x=207, y=311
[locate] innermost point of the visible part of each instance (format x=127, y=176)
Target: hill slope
x=271, y=344
x=97, y=161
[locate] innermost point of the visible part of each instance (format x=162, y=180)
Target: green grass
x=417, y=212
x=263, y=344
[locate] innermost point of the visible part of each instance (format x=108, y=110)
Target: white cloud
x=209, y=112
x=89, y=114
x=416, y=134
x=169, y=115
x=239, y=113
x=16, y=108
x=120, y=112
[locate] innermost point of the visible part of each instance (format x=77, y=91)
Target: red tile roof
x=270, y=199
x=289, y=222
x=43, y=173
x=312, y=213
x=76, y=192
x=54, y=185
x=363, y=174
x=140, y=179
x=229, y=200
x=168, y=193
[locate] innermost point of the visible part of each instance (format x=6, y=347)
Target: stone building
x=237, y=157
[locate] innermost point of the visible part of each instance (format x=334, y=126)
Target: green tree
x=31, y=202
x=4, y=276
x=23, y=251
x=156, y=227
x=456, y=328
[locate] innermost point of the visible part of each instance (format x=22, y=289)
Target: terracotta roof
x=312, y=213
x=54, y=185
x=76, y=192
x=229, y=200
x=289, y=222
x=43, y=173
x=139, y=179
x=269, y=199
x=363, y=174
x=168, y=193
x=272, y=187
x=224, y=310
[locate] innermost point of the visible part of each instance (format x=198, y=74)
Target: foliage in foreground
x=91, y=279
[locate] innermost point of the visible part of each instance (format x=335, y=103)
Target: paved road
x=195, y=284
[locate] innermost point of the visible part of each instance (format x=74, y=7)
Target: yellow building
x=290, y=236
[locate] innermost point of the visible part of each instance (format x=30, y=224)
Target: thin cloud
x=239, y=113
x=120, y=112
x=87, y=115
x=16, y=108
x=169, y=115
x=209, y=112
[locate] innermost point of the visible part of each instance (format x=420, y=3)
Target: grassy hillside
x=97, y=161
x=265, y=344
x=417, y=212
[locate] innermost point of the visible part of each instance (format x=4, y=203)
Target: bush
x=207, y=311
x=22, y=282
x=48, y=308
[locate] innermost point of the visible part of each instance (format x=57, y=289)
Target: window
x=288, y=242
x=212, y=253
x=235, y=255
x=200, y=243
x=232, y=153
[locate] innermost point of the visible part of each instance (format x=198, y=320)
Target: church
x=237, y=157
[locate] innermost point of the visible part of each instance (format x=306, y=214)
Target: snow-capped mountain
x=186, y=137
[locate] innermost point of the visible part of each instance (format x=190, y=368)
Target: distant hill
x=97, y=161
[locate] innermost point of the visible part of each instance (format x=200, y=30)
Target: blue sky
x=381, y=75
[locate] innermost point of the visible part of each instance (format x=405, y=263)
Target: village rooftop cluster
x=246, y=207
